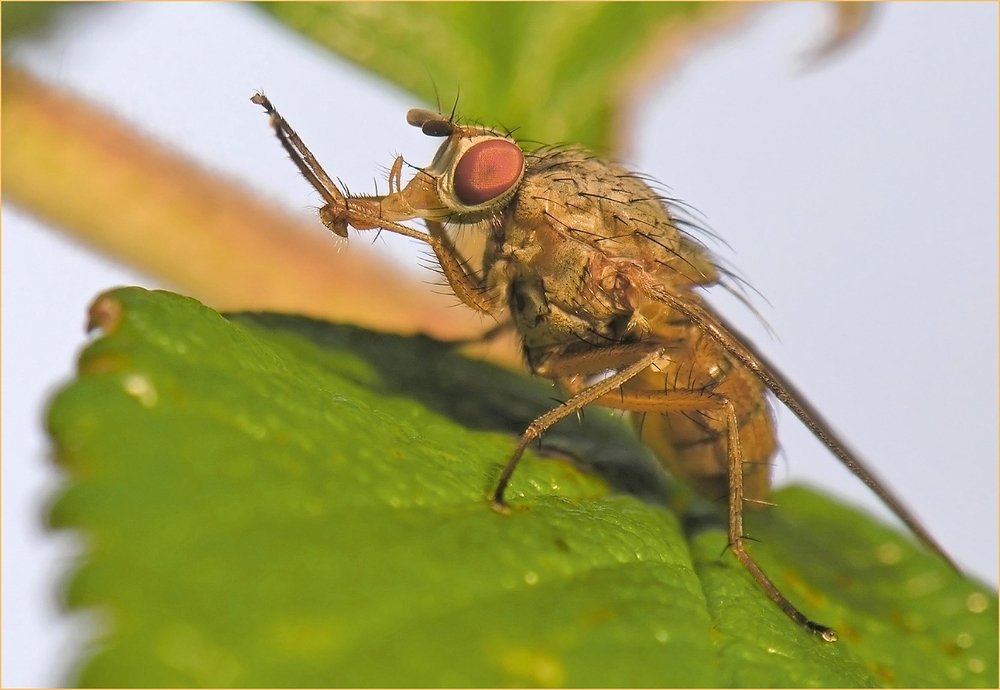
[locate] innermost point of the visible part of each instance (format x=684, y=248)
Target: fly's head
x=473, y=176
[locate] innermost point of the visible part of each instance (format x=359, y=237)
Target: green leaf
x=547, y=68
x=273, y=501
x=27, y=18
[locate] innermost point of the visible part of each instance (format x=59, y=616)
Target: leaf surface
x=270, y=500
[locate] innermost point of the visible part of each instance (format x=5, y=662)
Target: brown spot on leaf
x=885, y=674
x=105, y=363
x=105, y=313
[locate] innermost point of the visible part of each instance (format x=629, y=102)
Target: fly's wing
x=738, y=345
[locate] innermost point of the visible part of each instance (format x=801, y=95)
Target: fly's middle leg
x=578, y=401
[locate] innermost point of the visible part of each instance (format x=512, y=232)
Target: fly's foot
x=497, y=503
x=333, y=221
x=828, y=634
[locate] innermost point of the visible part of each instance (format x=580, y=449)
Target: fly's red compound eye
x=488, y=170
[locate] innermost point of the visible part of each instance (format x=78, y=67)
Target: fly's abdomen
x=693, y=444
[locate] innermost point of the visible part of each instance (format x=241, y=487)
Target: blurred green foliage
x=557, y=71
x=21, y=18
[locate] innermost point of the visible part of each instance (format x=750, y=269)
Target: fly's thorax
x=573, y=231
x=568, y=243
x=603, y=204
x=595, y=201
x=546, y=308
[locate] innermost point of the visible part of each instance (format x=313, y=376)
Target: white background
x=859, y=197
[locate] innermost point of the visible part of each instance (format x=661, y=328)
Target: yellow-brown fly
x=599, y=281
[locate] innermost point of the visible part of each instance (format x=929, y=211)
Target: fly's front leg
x=365, y=214
x=688, y=401
x=380, y=212
x=307, y=165
x=466, y=285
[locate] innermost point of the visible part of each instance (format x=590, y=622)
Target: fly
x=600, y=282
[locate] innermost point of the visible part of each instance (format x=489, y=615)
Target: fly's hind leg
x=688, y=401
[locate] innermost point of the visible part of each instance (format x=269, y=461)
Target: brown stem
x=91, y=176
